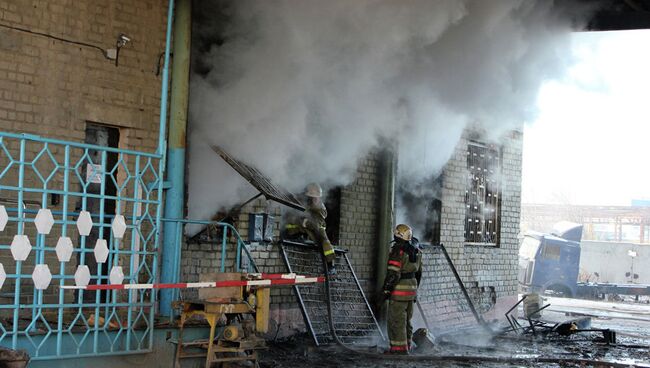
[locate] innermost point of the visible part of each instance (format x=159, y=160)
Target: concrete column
x=386, y=216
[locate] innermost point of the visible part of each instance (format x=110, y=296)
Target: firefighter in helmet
x=400, y=287
x=314, y=225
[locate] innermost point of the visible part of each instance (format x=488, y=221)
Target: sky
x=590, y=143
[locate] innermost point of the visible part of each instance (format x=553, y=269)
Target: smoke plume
x=304, y=89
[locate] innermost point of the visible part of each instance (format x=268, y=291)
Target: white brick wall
x=486, y=271
x=480, y=267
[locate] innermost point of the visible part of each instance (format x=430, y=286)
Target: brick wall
x=359, y=220
x=53, y=89
x=489, y=272
x=357, y=232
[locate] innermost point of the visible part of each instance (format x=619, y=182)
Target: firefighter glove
x=381, y=298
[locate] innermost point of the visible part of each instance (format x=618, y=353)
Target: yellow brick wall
x=52, y=88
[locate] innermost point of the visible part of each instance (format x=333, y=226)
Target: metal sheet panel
x=260, y=181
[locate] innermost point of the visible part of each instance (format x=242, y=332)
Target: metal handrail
x=241, y=246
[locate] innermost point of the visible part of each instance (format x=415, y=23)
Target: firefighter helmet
x=404, y=232
x=314, y=190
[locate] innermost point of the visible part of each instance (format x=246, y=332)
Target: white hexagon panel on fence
x=82, y=276
x=20, y=247
x=44, y=221
x=119, y=226
x=4, y=218
x=3, y=275
x=84, y=223
x=41, y=276
x=101, y=251
x=64, y=249
x=116, y=276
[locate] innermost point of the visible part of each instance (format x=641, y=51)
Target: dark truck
x=549, y=263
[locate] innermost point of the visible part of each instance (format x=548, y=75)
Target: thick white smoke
x=302, y=89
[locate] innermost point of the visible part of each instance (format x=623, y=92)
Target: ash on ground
x=631, y=322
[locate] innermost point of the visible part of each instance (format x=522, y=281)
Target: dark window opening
x=420, y=206
x=333, y=221
x=433, y=218
x=105, y=136
x=483, y=195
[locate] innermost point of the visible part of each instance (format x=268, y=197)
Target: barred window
x=483, y=195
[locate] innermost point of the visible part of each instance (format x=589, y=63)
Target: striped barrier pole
x=267, y=280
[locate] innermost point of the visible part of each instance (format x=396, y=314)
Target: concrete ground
x=631, y=321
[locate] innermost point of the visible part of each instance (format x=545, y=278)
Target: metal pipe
x=238, y=257
x=462, y=287
x=102, y=192
x=162, y=150
x=133, y=259
x=508, y=318
x=64, y=232
x=174, y=197
x=224, y=241
x=424, y=317
x=386, y=212
x=20, y=231
x=515, y=306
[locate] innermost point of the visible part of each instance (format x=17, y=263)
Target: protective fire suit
x=401, y=284
x=314, y=225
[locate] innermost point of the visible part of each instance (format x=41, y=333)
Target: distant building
x=607, y=223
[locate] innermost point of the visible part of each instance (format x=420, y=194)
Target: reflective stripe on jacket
x=402, y=289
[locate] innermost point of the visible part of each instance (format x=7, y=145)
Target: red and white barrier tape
x=267, y=280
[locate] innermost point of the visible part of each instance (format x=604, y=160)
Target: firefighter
x=314, y=225
x=400, y=287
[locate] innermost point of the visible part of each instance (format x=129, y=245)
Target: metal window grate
x=483, y=195
x=69, y=181
x=260, y=181
x=352, y=317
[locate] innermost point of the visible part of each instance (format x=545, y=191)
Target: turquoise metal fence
x=96, y=207
x=76, y=213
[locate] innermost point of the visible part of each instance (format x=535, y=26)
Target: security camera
x=114, y=54
x=124, y=38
